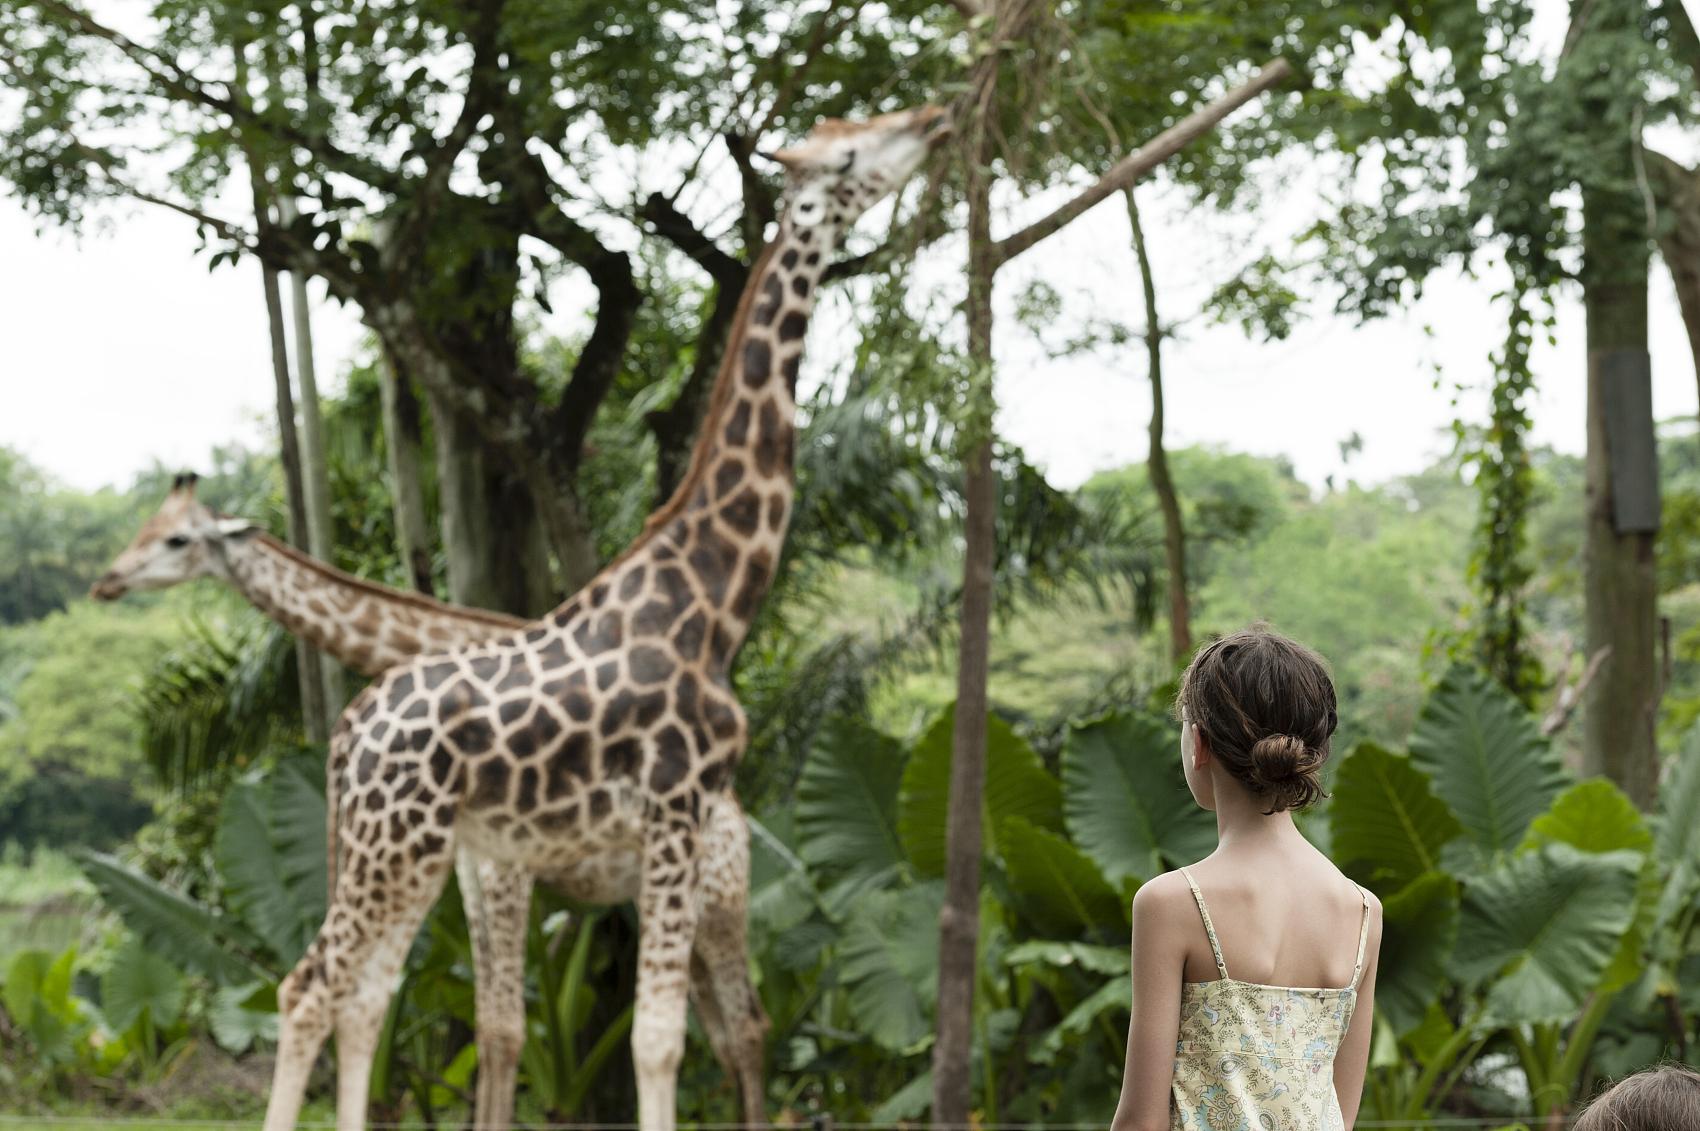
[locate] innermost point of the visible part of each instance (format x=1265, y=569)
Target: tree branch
x=1142, y=160
x=1685, y=41
x=188, y=88
x=760, y=206
x=1570, y=698
x=677, y=229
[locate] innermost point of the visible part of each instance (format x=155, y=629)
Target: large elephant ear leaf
x=1125, y=798
x=139, y=981
x=1388, y=826
x=1056, y=886
x=253, y=876
x=1017, y=785
x=179, y=929
x=1539, y=931
x=1487, y=759
x=1420, y=927
x=847, y=801
x=888, y=964
x=1677, y=844
x=1594, y=816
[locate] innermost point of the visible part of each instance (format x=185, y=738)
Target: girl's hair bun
x=1286, y=771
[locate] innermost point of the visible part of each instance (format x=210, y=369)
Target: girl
x=1666, y=1098
x=1254, y=969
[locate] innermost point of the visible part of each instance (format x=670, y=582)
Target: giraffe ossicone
x=610, y=727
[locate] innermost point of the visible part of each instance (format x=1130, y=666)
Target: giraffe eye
x=177, y=541
x=849, y=160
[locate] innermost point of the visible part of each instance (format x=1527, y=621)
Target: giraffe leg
x=506, y=903
x=707, y=1009
x=304, y=1018
x=722, y=948
x=667, y=913
x=384, y=890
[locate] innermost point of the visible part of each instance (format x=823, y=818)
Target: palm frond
x=218, y=702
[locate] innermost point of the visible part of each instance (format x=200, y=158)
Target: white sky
x=120, y=349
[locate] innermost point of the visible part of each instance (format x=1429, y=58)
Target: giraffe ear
x=790, y=158
x=236, y=528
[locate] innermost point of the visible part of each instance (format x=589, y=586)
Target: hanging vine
x=1499, y=566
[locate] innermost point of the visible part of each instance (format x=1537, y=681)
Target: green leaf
x=254, y=886
x=888, y=962
x=847, y=800
x=1113, y=996
x=1125, y=797
x=1420, y=927
x=1064, y=955
x=235, y=1022
x=1388, y=827
x=1017, y=785
x=1055, y=885
x=909, y=1102
x=1594, y=816
x=1677, y=843
x=295, y=793
x=182, y=931
x=1486, y=758
x=1540, y=929
x=140, y=982
x=23, y=995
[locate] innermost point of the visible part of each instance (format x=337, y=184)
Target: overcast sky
x=119, y=348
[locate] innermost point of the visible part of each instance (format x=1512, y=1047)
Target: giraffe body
x=609, y=727
x=369, y=628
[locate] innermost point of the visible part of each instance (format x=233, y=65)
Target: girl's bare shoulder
x=1163, y=899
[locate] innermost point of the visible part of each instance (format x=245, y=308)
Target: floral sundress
x=1251, y=1057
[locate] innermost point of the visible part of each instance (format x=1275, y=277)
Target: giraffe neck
x=364, y=626
x=734, y=505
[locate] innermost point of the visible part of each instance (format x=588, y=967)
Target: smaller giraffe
x=369, y=628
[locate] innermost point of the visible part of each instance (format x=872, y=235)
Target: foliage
x=1500, y=566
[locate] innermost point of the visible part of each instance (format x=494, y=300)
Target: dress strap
x=1210, y=928
x=1363, y=938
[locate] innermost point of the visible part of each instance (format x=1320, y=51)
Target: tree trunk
x=959, y=921
x=1157, y=460
x=289, y=453
x=315, y=472
x=492, y=533
x=1620, y=582
x=404, y=440
x=1677, y=191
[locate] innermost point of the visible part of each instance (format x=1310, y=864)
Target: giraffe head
x=182, y=541
x=843, y=168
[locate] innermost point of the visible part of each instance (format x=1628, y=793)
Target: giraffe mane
x=724, y=379
x=386, y=592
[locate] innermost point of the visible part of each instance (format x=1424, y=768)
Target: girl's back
x=1254, y=969
x=1266, y=1042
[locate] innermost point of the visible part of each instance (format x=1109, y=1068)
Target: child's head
x=1666, y=1098
x=1262, y=707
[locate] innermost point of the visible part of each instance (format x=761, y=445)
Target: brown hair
x=1665, y=1098
x=1266, y=705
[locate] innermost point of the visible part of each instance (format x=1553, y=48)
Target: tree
x=1005, y=23
x=466, y=132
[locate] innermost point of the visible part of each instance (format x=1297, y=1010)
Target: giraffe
x=610, y=726
x=370, y=627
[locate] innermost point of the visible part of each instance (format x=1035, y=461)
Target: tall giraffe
x=370, y=627
x=610, y=726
